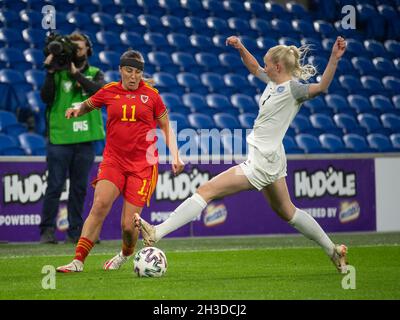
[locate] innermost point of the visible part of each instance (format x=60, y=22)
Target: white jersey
x=278, y=106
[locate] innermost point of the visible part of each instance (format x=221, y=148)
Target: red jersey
x=131, y=123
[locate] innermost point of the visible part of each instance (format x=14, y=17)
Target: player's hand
x=234, y=42
x=71, y=113
x=73, y=69
x=339, y=47
x=177, y=166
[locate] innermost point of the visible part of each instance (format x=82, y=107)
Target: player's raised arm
x=170, y=140
x=248, y=59
x=338, y=50
x=78, y=110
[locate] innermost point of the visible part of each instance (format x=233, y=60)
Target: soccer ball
x=150, y=262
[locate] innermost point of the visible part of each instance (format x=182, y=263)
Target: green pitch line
x=218, y=268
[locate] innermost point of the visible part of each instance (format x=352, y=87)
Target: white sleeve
x=299, y=91
x=260, y=74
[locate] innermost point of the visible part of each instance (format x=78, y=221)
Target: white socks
x=186, y=212
x=310, y=228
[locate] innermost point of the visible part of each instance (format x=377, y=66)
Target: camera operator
x=70, y=150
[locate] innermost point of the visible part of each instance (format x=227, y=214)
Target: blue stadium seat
x=242, y=27
x=247, y=120
x=110, y=58
x=374, y=48
x=234, y=144
x=38, y=109
x=12, y=38
x=218, y=26
x=157, y=42
x=201, y=121
x=317, y=105
x=220, y=103
x=234, y=7
x=373, y=85
x=173, y=24
x=34, y=37
x=238, y=83
x=348, y=124
x=33, y=144
x=174, y=103
x=197, y=103
x=9, y=146
x=360, y=104
x=351, y=83
x=225, y=120
x=261, y=26
x=256, y=83
x=289, y=42
x=392, y=84
x=151, y=7
x=197, y=26
x=276, y=10
x=384, y=66
x=230, y=61
x=214, y=82
x=167, y=83
x=128, y=21
x=393, y=48
x=111, y=76
x=31, y=18
x=81, y=21
x=186, y=62
x=338, y=104
x=324, y=29
x=244, y=103
x=380, y=142
x=134, y=40
x=35, y=78
x=282, y=28
x=151, y=22
x=201, y=43
x=396, y=101
x=108, y=6
x=355, y=48
x=250, y=44
x=381, y=103
x=372, y=124
x=180, y=42
x=318, y=62
x=264, y=44
x=191, y=82
x=18, y=83
x=298, y=11
x=370, y=20
x=209, y=62
x=309, y=143
x=35, y=57
x=395, y=139
x=194, y=8
x=219, y=43
x=302, y=124
x=391, y=121
x=333, y=143
x=10, y=125
x=13, y=58
x=9, y=18
x=181, y=121
x=215, y=8
x=303, y=27
x=363, y=65
x=110, y=40
x=325, y=123
x=290, y=145
x=104, y=21
x=173, y=7
x=162, y=62
x=255, y=8
x=357, y=143
x=391, y=18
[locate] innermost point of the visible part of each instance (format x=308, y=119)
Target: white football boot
x=339, y=258
x=148, y=231
x=74, y=266
x=116, y=262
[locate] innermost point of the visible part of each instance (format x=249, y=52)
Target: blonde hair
x=293, y=60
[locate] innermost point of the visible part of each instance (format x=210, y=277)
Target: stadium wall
x=344, y=193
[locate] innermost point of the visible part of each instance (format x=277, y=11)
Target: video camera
x=63, y=50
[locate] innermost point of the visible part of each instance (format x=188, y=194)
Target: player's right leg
x=226, y=183
x=105, y=194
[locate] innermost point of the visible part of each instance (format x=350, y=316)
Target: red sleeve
x=160, y=110
x=97, y=100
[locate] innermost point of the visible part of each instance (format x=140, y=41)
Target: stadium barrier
x=344, y=193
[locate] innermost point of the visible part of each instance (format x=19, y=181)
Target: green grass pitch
x=240, y=268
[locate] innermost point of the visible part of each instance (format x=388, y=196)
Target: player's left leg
x=278, y=197
x=129, y=237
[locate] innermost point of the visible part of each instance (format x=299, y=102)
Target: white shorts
x=262, y=171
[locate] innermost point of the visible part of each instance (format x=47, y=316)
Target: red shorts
x=136, y=187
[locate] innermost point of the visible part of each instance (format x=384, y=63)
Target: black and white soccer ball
x=150, y=262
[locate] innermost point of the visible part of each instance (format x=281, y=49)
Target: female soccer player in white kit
x=265, y=167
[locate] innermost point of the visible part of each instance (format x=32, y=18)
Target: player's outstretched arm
x=78, y=110
x=338, y=50
x=248, y=59
x=170, y=141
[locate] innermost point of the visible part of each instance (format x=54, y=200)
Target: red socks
x=83, y=248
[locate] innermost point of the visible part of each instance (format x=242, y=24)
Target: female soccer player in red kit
x=129, y=165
